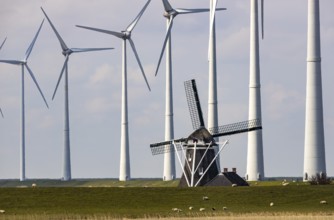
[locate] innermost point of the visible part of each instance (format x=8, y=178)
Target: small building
x=227, y=178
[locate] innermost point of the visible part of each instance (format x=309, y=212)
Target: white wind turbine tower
x=0, y=49
x=125, y=35
x=314, y=149
x=255, y=166
x=170, y=14
x=212, y=94
x=67, y=52
x=23, y=63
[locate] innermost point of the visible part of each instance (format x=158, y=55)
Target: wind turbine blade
x=190, y=11
x=167, y=6
x=3, y=43
x=262, y=17
x=61, y=75
x=212, y=20
x=165, y=42
x=117, y=34
x=80, y=50
x=139, y=63
x=15, y=62
x=33, y=42
x=134, y=23
x=213, y=14
x=1, y=113
x=61, y=41
x=36, y=83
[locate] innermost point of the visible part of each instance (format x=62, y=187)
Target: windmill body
x=200, y=153
x=125, y=35
x=24, y=65
x=170, y=13
x=64, y=72
x=200, y=167
x=255, y=166
x=314, y=149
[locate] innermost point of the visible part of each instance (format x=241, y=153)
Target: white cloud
x=103, y=74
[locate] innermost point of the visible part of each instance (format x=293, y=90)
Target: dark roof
x=227, y=179
x=202, y=134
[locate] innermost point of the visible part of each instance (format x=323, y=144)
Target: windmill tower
x=314, y=149
x=255, y=167
x=199, y=149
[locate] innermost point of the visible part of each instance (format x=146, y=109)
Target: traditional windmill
x=199, y=148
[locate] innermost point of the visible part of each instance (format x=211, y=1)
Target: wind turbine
x=255, y=165
x=170, y=14
x=212, y=94
x=67, y=52
x=0, y=49
x=23, y=63
x=314, y=146
x=125, y=35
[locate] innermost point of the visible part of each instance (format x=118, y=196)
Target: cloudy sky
x=95, y=84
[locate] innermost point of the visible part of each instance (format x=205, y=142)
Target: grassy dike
x=141, y=202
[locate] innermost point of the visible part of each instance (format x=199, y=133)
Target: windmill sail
x=236, y=128
x=194, y=104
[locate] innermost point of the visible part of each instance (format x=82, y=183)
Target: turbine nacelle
x=171, y=13
x=67, y=52
x=126, y=34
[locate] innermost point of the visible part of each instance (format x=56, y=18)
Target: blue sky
x=95, y=84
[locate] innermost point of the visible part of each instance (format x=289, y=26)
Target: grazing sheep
x=224, y=208
x=191, y=208
x=234, y=185
x=2, y=211
x=271, y=204
x=285, y=184
x=176, y=210
x=323, y=202
x=205, y=198
x=202, y=209
x=34, y=185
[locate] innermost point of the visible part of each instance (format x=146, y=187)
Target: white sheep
x=323, y=202
x=224, y=208
x=205, y=198
x=34, y=185
x=176, y=210
x=234, y=185
x=191, y=208
x=202, y=209
x=271, y=204
x=2, y=211
x=285, y=184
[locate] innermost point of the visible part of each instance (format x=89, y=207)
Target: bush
x=320, y=179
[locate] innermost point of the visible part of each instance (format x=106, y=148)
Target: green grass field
x=147, y=198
